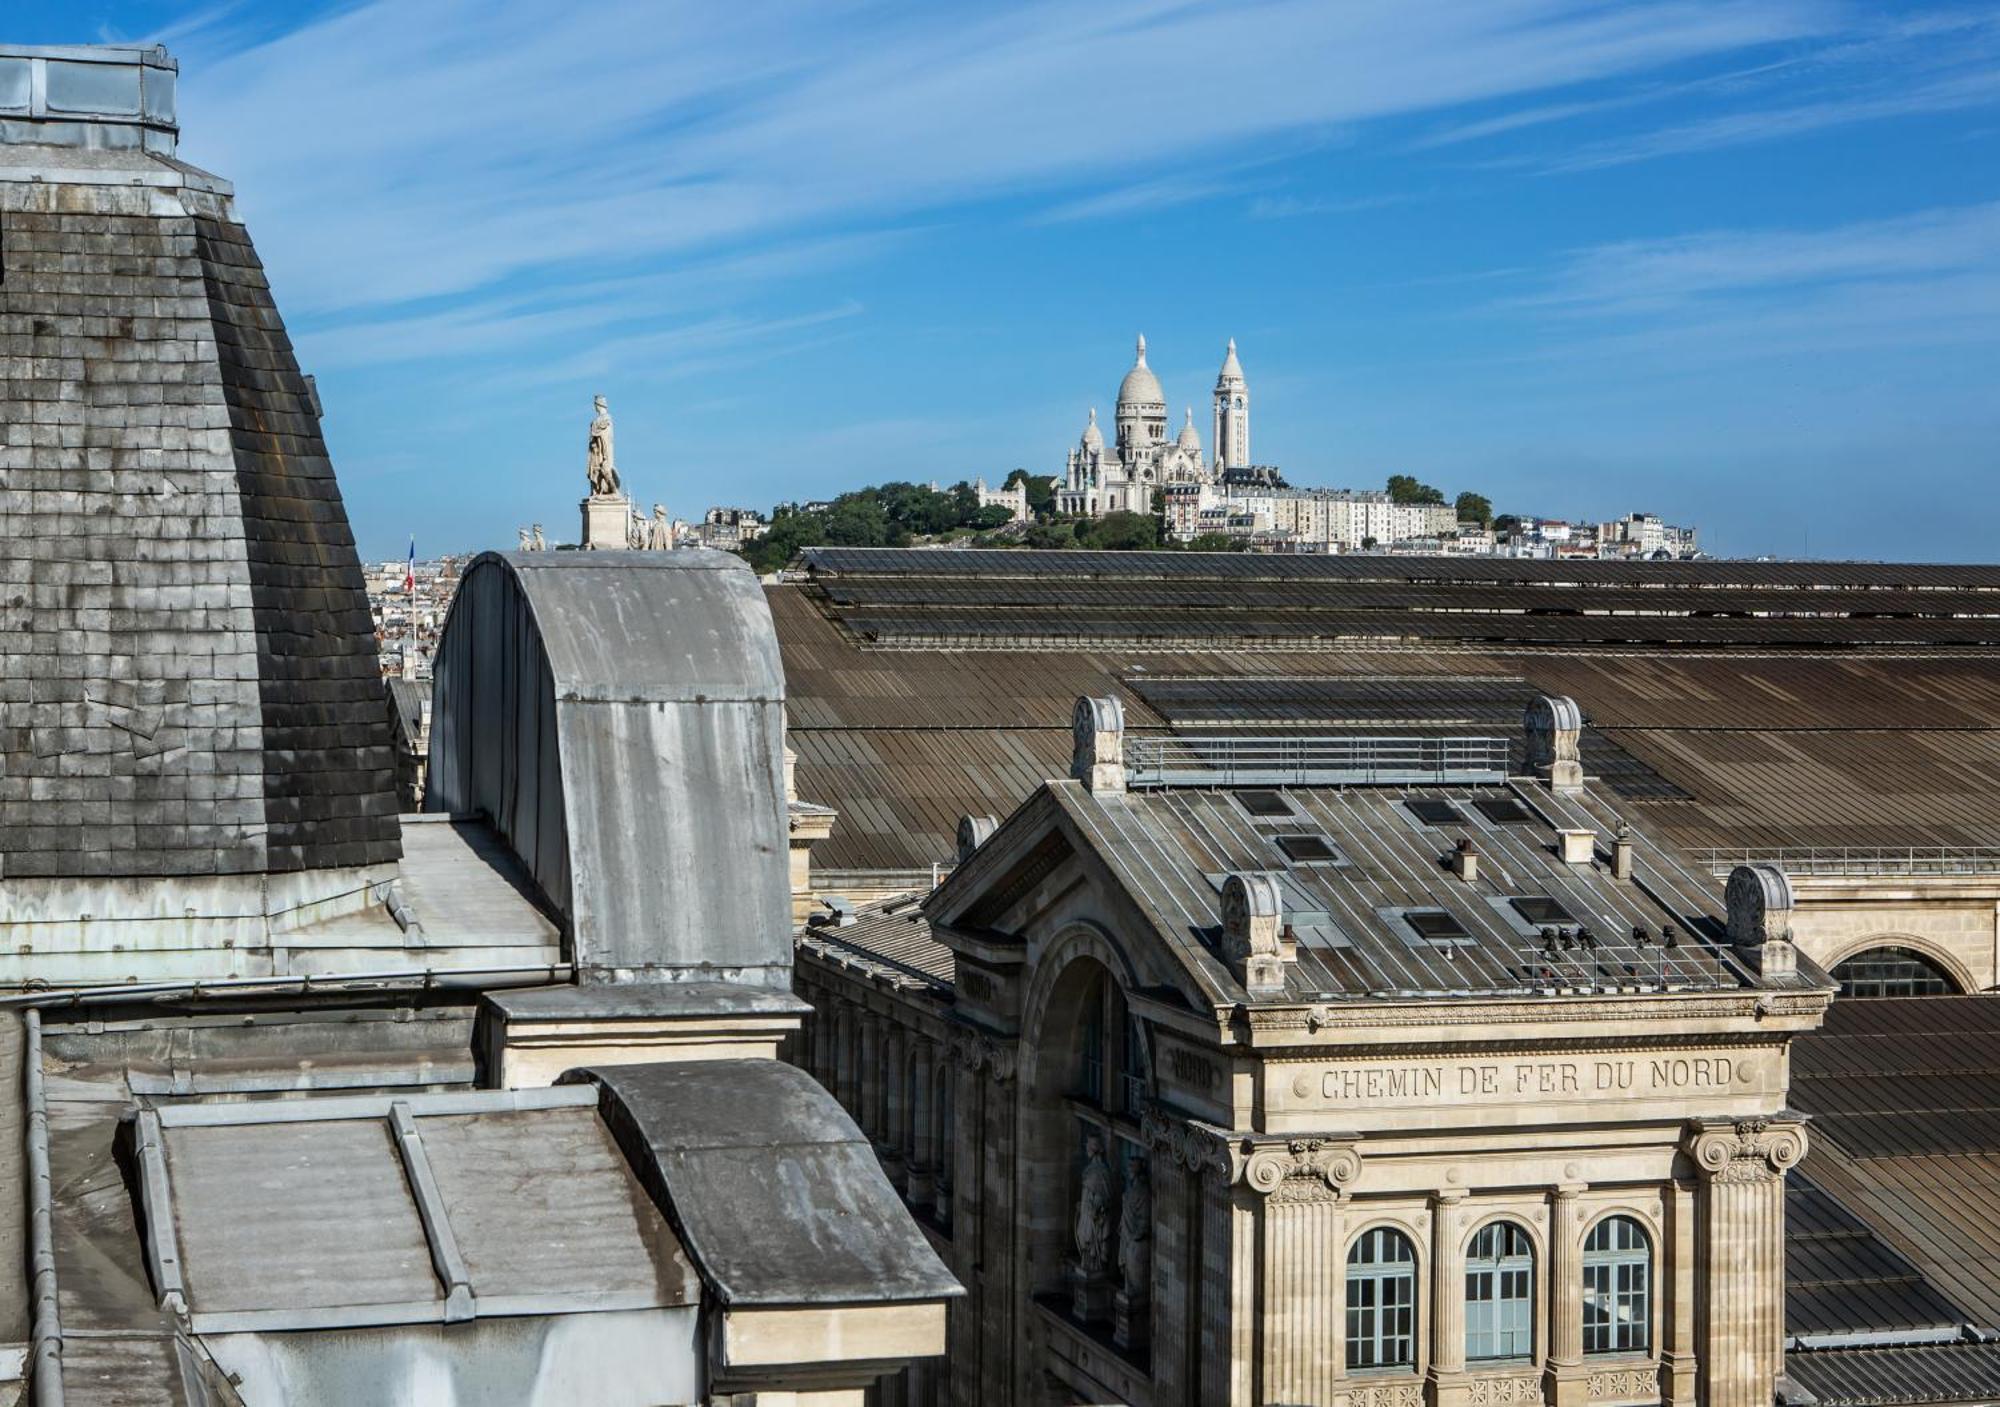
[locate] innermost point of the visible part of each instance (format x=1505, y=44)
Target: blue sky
x=1738, y=264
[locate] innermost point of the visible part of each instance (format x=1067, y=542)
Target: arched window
x=1892, y=972
x=1381, y=1300
x=1617, y=1288
x=1500, y=1294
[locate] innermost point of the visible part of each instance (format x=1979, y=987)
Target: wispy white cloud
x=1291, y=207
x=390, y=154
x=1927, y=280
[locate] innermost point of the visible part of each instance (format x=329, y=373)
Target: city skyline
x=1720, y=262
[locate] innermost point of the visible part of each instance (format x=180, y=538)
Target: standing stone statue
x=601, y=465
x=660, y=536
x=635, y=532
x=541, y=544
x=1093, y=1211
x=527, y=540
x=1135, y=1231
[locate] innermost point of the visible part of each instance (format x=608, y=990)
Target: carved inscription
x=1531, y=1080
x=1195, y=1071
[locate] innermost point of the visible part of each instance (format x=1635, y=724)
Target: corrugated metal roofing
x=1826, y=742
x=1894, y=1377
x=1905, y=1098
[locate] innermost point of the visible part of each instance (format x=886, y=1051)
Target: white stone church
x=1124, y=476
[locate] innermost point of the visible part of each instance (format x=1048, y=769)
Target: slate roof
x=188, y=674
x=1821, y=739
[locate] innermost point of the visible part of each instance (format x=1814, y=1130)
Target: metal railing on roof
x=1826, y=860
x=1324, y=761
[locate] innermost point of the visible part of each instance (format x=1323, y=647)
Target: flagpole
x=410, y=605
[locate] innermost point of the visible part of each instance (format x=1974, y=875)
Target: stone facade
x=1318, y=1181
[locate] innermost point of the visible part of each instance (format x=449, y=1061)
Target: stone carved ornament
x=978, y=1052
x=1748, y=1150
x=1302, y=1170
x=1760, y=903
x=1553, y=725
x=1097, y=735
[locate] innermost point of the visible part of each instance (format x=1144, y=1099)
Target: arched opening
x=1081, y=1134
x=1382, y=1300
x=1892, y=972
x=1500, y=1294
x=1617, y=1287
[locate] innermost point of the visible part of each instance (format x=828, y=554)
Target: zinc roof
x=1353, y=915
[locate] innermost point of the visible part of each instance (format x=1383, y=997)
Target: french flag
x=410, y=571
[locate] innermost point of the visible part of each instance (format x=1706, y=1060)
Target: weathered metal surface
x=619, y=1358
x=619, y=718
x=600, y=1001
x=775, y=1193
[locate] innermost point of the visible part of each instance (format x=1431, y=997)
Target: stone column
x=843, y=1058
x=944, y=1123
x=1447, y=1338
x=1301, y=1292
x=1740, y=1251
x=1680, y=1362
x=869, y=1080
x=923, y=1136
x=1564, y=1374
x=895, y=1111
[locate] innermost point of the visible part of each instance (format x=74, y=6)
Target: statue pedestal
x=1131, y=1316
x=1090, y=1294
x=605, y=521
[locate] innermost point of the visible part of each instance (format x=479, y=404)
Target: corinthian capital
x=1746, y=1150
x=1301, y=1169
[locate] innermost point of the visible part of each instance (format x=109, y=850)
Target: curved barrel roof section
x=619, y=718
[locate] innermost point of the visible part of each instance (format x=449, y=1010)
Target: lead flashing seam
x=46, y=1335
x=450, y=1265
x=162, y=1242
x=364, y=1106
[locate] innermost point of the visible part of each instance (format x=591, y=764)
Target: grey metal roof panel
x=772, y=1188
x=544, y=1204
x=1893, y=1377
x=665, y=627
x=291, y=1215
x=619, y=718
x=1168, y=849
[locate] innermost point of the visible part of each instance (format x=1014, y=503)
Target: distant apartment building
x=729, y=528
x=1315, y=520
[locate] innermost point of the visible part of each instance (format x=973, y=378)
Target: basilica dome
x=1141, y=389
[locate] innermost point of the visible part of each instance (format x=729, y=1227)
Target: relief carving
x=1497, y=1392
x=1387, y=1395
x=1622, y=1383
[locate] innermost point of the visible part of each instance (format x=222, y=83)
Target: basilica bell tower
x=1232, y=414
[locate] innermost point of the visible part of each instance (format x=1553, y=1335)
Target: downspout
x=45, y=1339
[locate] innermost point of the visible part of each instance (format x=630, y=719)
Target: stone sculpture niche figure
x=1135, y=1231
x=601, y=466
x=1093, y=1211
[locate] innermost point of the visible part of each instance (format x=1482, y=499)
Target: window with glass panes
x=1891, y=972
x=1381, y=1300
x=1617, y=1287
x=1500, y=1294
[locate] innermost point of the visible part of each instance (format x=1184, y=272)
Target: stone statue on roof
x=660, y=533
x=601, y=466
